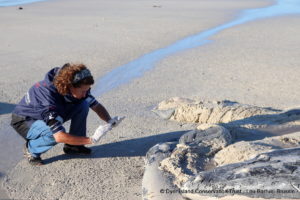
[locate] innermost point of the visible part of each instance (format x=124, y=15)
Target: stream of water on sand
x=124, y=74
x=136, y=68
x=4, y=3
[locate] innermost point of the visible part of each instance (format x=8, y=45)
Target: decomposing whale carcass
x=237, y=152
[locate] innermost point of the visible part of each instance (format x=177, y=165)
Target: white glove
x=115, y=121
x=100, y=132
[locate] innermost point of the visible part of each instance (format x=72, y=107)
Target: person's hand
x=116, y=121
x=100, y=132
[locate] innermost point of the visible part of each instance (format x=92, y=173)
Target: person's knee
x=40, y=138
x=38, y=129
x=48, y=138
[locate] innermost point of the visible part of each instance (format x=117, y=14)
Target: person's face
x=80, y=92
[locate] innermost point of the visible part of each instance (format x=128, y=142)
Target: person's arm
x=62, y=137
x=101, y=112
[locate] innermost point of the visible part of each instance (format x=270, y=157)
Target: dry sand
x=254, y=63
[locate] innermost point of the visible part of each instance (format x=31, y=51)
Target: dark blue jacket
x=43, y=102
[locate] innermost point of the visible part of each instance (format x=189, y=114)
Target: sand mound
x=211, y=112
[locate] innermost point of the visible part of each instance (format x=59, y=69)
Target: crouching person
x=63, y=95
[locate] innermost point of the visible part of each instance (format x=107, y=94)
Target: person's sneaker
x=76, y=150
x=31, y=159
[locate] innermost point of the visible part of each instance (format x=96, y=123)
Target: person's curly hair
x=63, y=81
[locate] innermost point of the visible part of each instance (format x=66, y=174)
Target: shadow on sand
x=1, y=175
x=140, y=146
x=6, y=108
x=125, y=148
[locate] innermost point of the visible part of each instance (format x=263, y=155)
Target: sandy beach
x=254, y=63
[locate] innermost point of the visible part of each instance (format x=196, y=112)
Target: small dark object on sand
x=20, y=8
